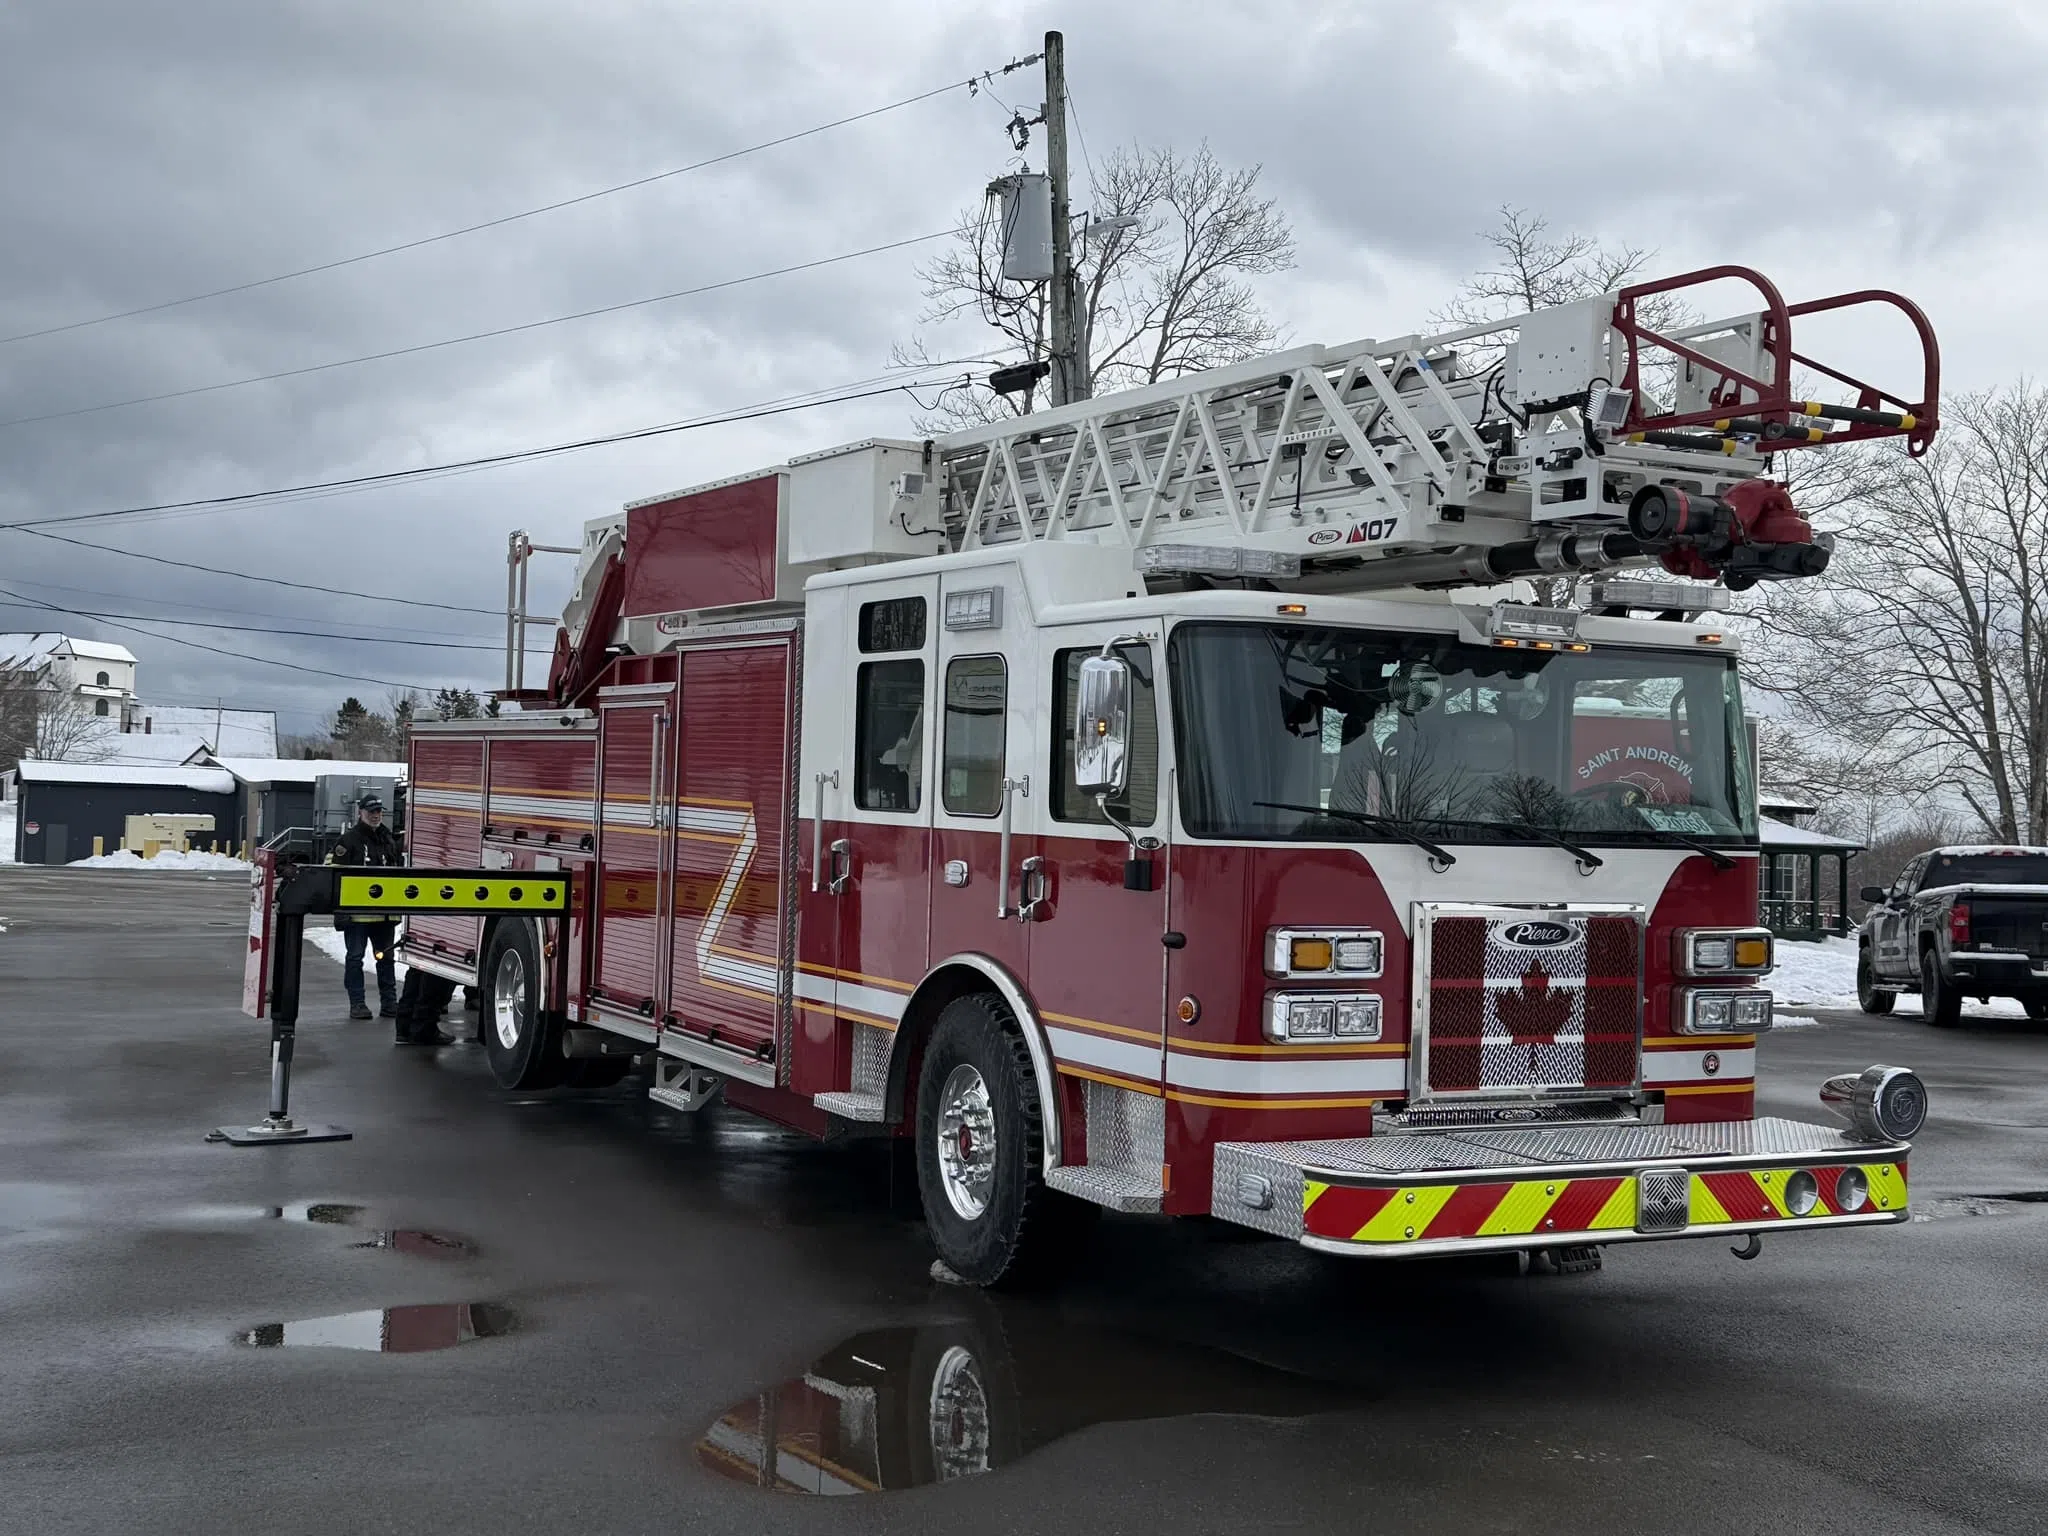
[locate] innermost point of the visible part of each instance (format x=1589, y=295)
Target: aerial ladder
x=1572, y=439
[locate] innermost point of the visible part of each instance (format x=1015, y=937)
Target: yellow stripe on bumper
x=453, y=891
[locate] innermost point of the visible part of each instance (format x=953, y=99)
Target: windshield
x=1290, y=732
x=1986, y=869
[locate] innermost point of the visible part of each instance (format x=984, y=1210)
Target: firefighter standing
x=368, y=842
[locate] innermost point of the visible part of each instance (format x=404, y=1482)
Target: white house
x=98, y=672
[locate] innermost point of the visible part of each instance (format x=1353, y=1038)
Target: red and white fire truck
x=1178, y=802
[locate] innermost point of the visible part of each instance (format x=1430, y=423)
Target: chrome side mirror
x=1102, y=727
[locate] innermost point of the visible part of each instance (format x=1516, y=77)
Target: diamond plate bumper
x=1470, y=1190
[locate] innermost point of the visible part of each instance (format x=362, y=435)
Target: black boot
x=360, y=1011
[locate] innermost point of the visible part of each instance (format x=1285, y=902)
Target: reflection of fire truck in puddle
x=1163, y=802
x=902, y=1407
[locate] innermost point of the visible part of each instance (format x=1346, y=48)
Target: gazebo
x=1796, y=901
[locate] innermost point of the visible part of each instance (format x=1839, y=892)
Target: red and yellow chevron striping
x=1558, y=1207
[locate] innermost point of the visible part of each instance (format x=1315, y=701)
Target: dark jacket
x=364, y=844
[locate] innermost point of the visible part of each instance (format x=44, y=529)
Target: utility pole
x=1069, y=358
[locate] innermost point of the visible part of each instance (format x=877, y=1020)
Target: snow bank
x=1823, y=975
x=326, y=938
x=7, y=810
x=168, y=858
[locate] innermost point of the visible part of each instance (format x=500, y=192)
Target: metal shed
x=64, y=806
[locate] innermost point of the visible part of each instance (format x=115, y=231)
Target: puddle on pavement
x=389, y=1330
x=411, y=1240
x=903, y=1407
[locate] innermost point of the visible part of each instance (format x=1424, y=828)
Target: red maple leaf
x=1533, y=1014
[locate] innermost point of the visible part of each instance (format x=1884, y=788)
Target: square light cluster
x=1725, y=951
x=1737, y=1011
x=1345, y=952
x=1339, y=1017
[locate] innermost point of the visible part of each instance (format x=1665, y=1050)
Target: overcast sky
x=150, y=151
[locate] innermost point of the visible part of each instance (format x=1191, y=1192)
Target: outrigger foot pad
x=278, y=1133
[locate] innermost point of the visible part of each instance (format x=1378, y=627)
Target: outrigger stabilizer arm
x=387, y=893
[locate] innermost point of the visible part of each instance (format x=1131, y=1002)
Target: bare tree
x=1167, y=296
x=41, y=720
x=1922, y=655
x=1534, y=271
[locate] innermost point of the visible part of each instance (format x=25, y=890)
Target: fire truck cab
x=1177, y=803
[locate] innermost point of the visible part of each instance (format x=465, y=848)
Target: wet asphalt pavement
x=577, y=1311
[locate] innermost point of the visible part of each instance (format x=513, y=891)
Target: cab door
x=1097, y=964
x=984, y=851
x=1890, y=936
x=878, y=866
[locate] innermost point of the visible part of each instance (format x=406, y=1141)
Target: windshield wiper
x=1586, y=857
x=1440, y=859
x=1667, y=836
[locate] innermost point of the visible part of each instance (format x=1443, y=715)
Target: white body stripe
x=1737, y=1061
x=1216, y=1074
x=1129, y=1057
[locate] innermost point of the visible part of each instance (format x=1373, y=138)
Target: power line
x=392, y=631
x=782, y=406
x=298, y=634
x=510, y=218
x=503, y=330
x=199, y=645
x=271, y=581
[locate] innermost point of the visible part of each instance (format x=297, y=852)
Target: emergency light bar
x=1216, y=560
x=1687, y=597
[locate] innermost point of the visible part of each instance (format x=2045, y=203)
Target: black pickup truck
x=1958, y=922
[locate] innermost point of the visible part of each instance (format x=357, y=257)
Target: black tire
x=1870, y=997
x=2037, y=1007
x=1022, y=1233
x=523, y=1041
x=1940, y=1004
x=962, y=1410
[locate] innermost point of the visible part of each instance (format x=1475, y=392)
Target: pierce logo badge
x=1326, y=536
x=1537, y=935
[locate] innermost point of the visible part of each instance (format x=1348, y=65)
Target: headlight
x=1358, y=952
x=1721, y=1011
x=1298, y=1016
x=1880, y=1103
x=1722, y=951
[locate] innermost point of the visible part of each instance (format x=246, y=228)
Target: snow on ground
x=327, y=939
x=1823, y=975
x=169, y=858
x=7, y=810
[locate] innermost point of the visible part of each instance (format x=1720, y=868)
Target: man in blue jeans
x=368, y=842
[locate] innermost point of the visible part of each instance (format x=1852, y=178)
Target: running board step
x=853, y=1106
x=1115, y=1188
x=684, y=1085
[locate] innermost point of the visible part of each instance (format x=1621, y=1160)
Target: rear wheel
x=980, y=1149
x=521, y=1039
x=1870, y=997
x=2037, y=1007
x=1940, y=1004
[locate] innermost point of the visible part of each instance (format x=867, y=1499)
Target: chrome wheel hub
x=967, y=1142
x=508, y=999
x=958, y=1416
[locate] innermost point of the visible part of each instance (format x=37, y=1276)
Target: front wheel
x=1940, y=1004
x=520, y=1038
x=1870, y=997
x=980, y=1147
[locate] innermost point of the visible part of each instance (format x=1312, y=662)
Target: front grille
x=1532, y=1000
x=1663, y=1199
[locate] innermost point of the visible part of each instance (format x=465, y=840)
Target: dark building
x=62, y=807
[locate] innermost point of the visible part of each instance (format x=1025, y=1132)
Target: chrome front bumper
x=1472, y=1190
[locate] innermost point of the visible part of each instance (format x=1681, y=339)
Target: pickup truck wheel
x=2037, y=1007
x=1870, y=997
x=521, y=1040
x=980, y=1147
x=1940, y=1004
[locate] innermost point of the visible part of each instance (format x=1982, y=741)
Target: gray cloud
x=150, y=151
